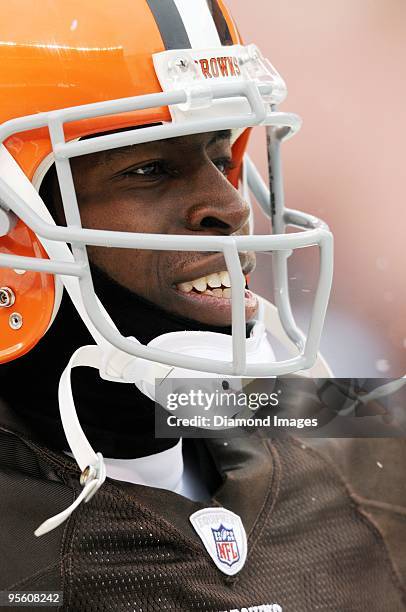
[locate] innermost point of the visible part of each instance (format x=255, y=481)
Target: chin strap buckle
x=92, y=464
x=91, y=479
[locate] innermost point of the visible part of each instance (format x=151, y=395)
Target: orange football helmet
x=78, y=53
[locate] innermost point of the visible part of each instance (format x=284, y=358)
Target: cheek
x=115, y=216
x=140, y=271
x=127, y=267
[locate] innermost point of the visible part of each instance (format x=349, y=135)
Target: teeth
x=214, y=280
x=225, y=279
x=218, y=293
x=200, y=284
x=185, y=287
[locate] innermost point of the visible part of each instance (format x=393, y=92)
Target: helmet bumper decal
x=195, y=70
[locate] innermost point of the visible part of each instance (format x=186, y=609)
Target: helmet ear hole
x=50, y=193
x=27, y=298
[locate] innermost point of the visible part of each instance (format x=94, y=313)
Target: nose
x=220, y=209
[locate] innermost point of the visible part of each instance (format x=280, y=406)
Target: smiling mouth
x=214, y=291
x=217, y=284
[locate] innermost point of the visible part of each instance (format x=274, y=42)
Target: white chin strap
x=114, y=365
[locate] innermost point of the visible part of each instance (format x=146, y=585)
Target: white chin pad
x=210, y=345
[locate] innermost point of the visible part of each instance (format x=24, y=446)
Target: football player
x=126, y=245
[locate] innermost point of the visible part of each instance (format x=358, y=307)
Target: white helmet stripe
x=199, y=23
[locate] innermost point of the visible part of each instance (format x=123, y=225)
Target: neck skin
x=117, y=419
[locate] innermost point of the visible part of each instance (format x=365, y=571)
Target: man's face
x=174, y=186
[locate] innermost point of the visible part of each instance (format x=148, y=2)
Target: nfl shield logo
x=226, y=545
x=223, y=536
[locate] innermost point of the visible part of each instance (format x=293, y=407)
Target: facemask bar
x=272, y=201
x=230, y=246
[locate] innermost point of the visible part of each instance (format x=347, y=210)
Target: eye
x=224, y=165
x=151, y=169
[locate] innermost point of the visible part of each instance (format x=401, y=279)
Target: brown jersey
x=311, y=546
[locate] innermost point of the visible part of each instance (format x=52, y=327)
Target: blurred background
x=344, y=64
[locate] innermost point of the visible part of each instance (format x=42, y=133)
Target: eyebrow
x=221, y=135
x=124, y=151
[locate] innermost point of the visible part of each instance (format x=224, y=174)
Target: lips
x=210, y=308
x=205, y=291
x=213, y=292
